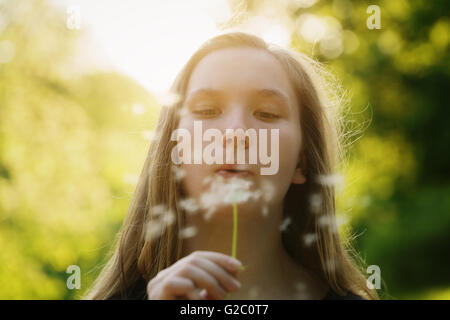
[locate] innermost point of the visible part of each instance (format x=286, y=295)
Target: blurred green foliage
x=71, y=147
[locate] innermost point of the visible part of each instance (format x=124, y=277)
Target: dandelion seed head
x=286, y=222
x=188, y=232
x=309, y=239
x=235, y=190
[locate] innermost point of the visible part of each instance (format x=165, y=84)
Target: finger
x=196, y=294
x=231, y=264
x=203, y=279
x=226, y=279
x=175, y=286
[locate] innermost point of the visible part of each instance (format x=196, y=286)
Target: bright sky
x=151, y=40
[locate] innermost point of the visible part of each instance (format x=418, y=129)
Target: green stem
x=234, y=242
x=235, y=221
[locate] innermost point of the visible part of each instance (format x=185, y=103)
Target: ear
x=299, y=176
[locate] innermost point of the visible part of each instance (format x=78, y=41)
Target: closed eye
x=266, y=116
x=206, y=112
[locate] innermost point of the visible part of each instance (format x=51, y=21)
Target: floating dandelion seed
x=333, y=222
x=287, y=221
x=178, y=172
x=162, y=218
x=209, y=213
x=365, y=201
x=138, y=109
x=168, y=99
x=130, y=178
x=330, y=265
x=300, y=286
x=253, y=293
x=328, y=222
x=153, y=230
x=315, y=202
x=182, y=112
x=265, y=211
x=207, y=180
x=188, y=232
x=301, y=291
x=324, y=221
x=147, y=134
x=158, y=209
x=168, y=218
x=309, y=239
x=341, y=220
x=330, y=180
x=190, y=205
x=268, y=190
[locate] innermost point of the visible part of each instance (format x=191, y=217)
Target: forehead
x=240, y=71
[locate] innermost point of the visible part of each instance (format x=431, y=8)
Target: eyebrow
x=267, y=93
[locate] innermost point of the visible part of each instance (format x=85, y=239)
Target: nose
x=236, y=119
x=232, y=140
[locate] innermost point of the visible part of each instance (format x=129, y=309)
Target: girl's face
x=243, y=88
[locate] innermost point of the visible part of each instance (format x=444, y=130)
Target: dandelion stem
x=233, y=248
x=234, y=242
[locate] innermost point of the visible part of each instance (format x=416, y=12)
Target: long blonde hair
x=136, y=258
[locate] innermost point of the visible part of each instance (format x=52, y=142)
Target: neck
x=269, y=270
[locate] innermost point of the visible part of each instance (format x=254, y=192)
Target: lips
x=233, y=171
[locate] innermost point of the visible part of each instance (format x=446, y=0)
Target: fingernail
x=236, y=283
x=242, y=267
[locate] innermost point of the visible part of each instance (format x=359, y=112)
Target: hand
x=199, y=276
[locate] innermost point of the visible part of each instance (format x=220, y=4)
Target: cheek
x=192, y=181
x=290, y=145
x=289, y=150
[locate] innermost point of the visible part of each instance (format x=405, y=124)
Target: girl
x=175, y=242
